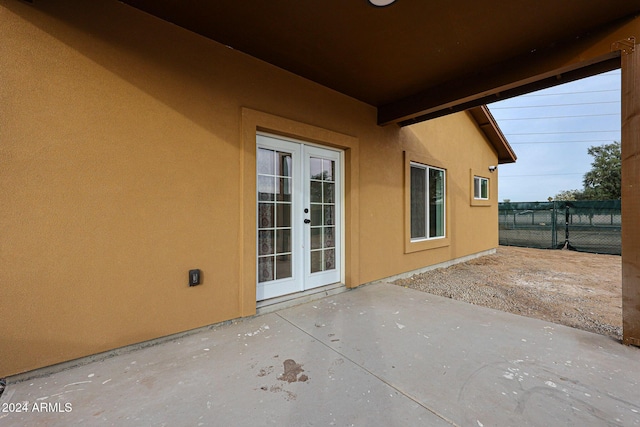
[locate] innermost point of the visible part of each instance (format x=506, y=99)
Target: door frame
x=302, y=279
x=252, y=122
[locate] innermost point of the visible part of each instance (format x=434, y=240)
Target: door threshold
x=290, y=300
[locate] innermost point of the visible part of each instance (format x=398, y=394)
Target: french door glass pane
x=316, y=237
x=329, y=214
x=284, y=166
x=316, y=261
x=265, y=215
x=322, y=169
x=283, y=266
x=315, y=167
x=266, y=188
x=418, y=203
x=265, y=239
x=328, y=169
x=329, y=233
x=315, y=191
x=283, y=241
x=329, y=192
x=283, y=189
x=329, y=259
x=283, y=214
x=266, y=161
x=316, y=214
x=265, y=269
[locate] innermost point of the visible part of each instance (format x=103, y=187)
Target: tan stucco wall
x=123, y=165
x=452, y=143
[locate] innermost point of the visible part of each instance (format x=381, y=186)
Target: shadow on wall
x=192, y=75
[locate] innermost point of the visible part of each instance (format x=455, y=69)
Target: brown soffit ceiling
x=387, y=56
x=492, y=132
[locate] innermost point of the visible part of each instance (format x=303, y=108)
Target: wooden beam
x=506, y=92
x=631, y=194
x=560, y=63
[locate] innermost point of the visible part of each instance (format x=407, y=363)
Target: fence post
x=566, y=226
x=554, y=238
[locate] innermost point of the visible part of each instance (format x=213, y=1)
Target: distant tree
x=569, y=195
x=602, y=182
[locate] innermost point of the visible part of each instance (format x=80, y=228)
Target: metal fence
x=586, y=226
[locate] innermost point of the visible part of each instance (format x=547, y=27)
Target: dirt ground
x=575, y=289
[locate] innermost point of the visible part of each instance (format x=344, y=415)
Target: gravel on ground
x=571, y=288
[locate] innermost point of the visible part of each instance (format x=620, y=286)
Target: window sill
x=424, y=245
x=480, y=202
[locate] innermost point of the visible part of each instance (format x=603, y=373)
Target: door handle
x=307, y=221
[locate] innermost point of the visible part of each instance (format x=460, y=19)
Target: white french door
x=299, y=212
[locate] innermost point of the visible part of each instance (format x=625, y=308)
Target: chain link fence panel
x=586, y=226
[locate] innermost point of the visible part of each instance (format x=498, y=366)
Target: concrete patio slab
x=377, y=355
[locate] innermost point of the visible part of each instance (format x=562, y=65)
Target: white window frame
x=426, y=169
x=477, y=187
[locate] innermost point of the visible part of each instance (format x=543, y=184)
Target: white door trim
x=301, y=279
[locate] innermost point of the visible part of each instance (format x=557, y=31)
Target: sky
x=551, y=130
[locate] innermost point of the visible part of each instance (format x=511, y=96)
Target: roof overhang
x=489, y=127
x=415, y=59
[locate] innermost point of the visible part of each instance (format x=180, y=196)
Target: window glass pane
x=418, y=202
x=266, y=161
x=480, y=188
x=484, y=193
x=436, y=203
